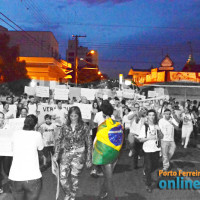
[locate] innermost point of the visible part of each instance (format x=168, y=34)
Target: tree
x=13, y=74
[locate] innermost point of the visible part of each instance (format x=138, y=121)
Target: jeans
x=137, y=148
x=26, y=190
x=151, y=162
x=168, y=149
x=5, y=164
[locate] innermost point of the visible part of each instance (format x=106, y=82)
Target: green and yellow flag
x=109, y=142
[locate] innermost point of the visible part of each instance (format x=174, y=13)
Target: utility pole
x=76, y=56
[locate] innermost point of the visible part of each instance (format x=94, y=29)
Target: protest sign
x=85, y=110
x=29, y=90
x=74, y=92
x=90, y=94
x=43, y=110
x=16, y=124
x=152, y=93
x=61, y=87
x=42, y=91
x=159, y=91
x=6, y=142
x=127, y=93
x=61, y=94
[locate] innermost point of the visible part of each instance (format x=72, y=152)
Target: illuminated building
x=166, y=73
x=85, y=57
x=33, y=43
x=44, y=71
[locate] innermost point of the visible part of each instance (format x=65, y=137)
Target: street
x=128, y=182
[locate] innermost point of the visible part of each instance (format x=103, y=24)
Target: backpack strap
x=146, y=129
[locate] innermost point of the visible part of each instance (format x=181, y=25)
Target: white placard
x=43, y=110
x=129, y=94
x=152, y=93
x=61, y=87
x=88, y=93
x=29, y=90
x=61, y=94
x=85, y=110
x=119, y=93
x=42, y=91
x=16, y=124
x=6, y=142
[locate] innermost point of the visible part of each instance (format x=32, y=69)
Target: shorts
x=47, y=151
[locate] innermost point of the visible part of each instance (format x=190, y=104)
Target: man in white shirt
x=168, y=146
x=59, y=114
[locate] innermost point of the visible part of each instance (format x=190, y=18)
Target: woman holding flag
x=107, y=147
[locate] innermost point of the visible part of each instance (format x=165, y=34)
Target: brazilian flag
x=109, y=142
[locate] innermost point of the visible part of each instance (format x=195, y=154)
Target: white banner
x=90, y=94
x=85, y=110
x=6, y=142
x=42, y=91
x=16, y=124
x=61, y=94
x=29, y=90
x=152, y=93
x=129, y=94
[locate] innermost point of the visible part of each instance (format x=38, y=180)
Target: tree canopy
x=13, y=74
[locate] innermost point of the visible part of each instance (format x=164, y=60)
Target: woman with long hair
x=107, y=147
x=73, y=142
x=187, y=127
x=149, y=136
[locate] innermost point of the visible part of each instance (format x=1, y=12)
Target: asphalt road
x=128, y=182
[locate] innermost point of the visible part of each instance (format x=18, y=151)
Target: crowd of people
x=150, y=129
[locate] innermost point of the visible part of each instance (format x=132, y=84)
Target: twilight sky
x=126, y=33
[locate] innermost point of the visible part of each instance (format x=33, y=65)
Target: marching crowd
x=150, y=129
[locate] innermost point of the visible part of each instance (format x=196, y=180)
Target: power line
x=133, y=26
x=23, y=31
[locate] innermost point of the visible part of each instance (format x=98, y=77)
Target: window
x=70, y=59
x=71, y=54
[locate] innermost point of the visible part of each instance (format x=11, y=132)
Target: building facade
x=46, y=71
x=33, y=43
x=166, y=73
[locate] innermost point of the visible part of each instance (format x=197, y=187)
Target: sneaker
x=99, y=173
x=1, y=190
x=148, y=189
x=93, y=172
x=130, y=153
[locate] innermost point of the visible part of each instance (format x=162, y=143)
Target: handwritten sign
x=85, y=110
x=6, y=142
x=29, y=90
x=16, y=124
x=129, y=94
x=61, y=94
x=88, y=93
x=43, y=110
x=74, y=92
x=152, y=93
x=42, y=91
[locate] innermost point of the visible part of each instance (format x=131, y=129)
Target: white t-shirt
x=32, y=108
x=25, y=164
x=187, y=119
x=48, y=134
x=60, y=114
x=99, y=119
x=149, y=145
x=136, y=127
x=167, y=129
x=126, y=122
